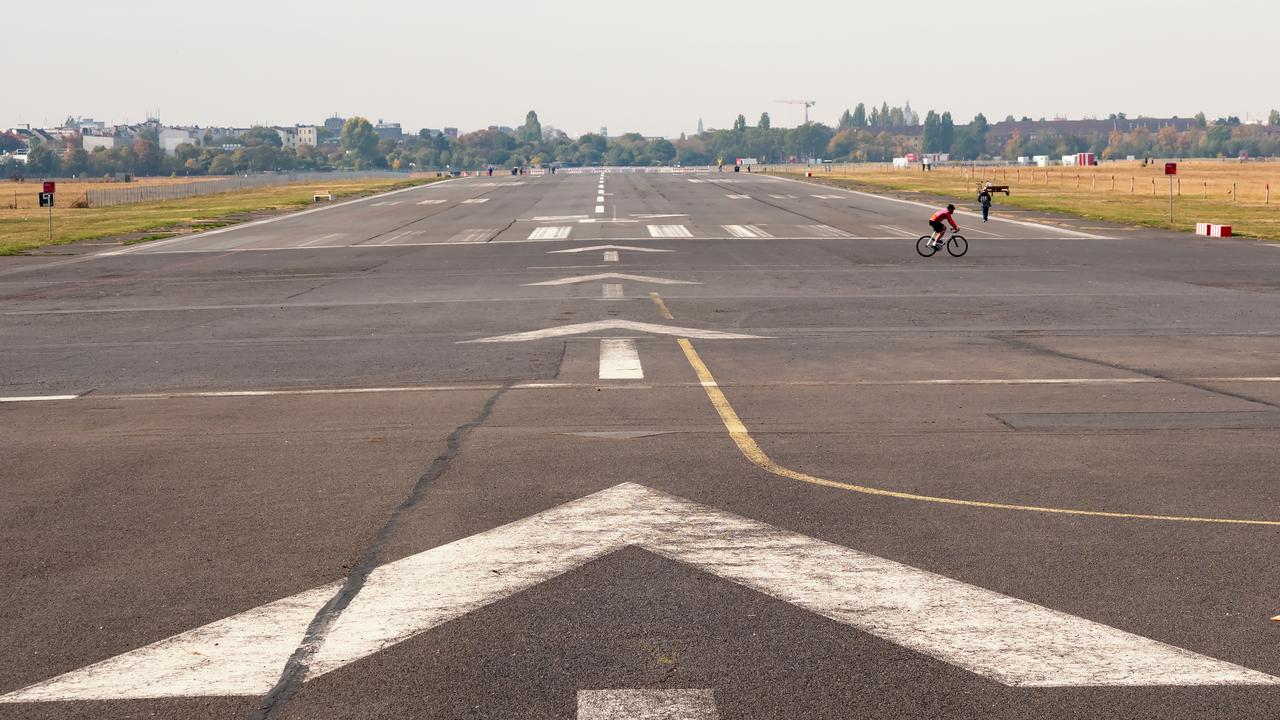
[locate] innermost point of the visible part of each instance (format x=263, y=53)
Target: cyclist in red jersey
x=935, y=222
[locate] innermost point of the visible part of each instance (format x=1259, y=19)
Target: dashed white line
x=36, y=398
x=611, y=256
x=611, y=291
x=385, y=203
x=475, y=201
x=437, y=201
x=738, y=197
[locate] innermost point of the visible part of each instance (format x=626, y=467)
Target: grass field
x=25, y=229
x=25, y=195
x=1231, y=193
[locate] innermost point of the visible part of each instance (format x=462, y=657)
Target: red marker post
x=1171, y=169
x=46, y=200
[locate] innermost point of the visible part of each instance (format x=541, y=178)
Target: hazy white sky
x=653, y=66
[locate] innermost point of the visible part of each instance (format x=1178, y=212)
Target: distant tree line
x=860, y=136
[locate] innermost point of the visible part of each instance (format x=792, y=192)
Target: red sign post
x=46, y=200
x=1171, y=169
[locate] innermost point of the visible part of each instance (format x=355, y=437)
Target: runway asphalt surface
x=627, y=445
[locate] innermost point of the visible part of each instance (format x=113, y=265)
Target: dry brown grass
x=1228, y=192
x=22, y=230
x=25, y=195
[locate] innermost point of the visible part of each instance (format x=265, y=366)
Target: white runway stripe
x=472, y=236
x=669, y=231
x=611, y=256
x=619, y=360
x=433, y=202
x=475, y=201
x=746, y=231
x=906, y=233
x=612, y=291
x=738, y=197
x=824, y=231
x=553, y=232
x=322, y=240
x=647, y=705
x=385, y=203
x=401, y=238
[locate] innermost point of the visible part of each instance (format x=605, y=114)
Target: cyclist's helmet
x=951, y=208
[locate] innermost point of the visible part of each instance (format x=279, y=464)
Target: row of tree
x=858, y=137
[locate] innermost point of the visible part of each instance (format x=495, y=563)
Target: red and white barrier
x=1213, y=230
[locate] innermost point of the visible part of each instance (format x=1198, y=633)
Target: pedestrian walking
x=984, y=199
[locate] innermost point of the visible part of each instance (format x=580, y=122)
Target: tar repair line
x=751, y=450
x=299, y=664
x=995, y=636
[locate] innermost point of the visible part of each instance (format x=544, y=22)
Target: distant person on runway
x=984, y=199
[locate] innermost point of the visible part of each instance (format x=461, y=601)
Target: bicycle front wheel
x=924, y=248
x=957, y=246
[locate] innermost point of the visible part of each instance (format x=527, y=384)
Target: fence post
x=1132, y=180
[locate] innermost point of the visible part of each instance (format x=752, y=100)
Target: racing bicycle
x=956, y=245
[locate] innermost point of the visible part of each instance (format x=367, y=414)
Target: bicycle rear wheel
x=957, y=245
x=924, y=248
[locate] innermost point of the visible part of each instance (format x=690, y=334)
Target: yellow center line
x=662, y=306
x=747, y=445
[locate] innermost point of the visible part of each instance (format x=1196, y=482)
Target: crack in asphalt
x=1137, y=371
x=297, y=667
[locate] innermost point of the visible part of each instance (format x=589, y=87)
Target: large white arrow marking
x=598, y=325
x=611, y=276
x=999, y=637
x=593, y=248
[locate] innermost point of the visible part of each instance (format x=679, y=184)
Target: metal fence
x=100, y=197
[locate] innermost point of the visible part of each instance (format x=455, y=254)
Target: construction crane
x=806, y=103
